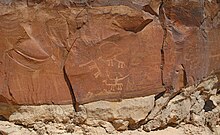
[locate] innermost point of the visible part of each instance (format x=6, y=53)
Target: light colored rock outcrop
x=29, y=115
x=132, y=110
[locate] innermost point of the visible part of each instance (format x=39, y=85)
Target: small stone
x=152, y=125
x=92, y=122
x=216, y=100
x=108, y=126
x=80, y=117
x=70, y=128
x=120, y=125
x=198, y=120
x=217, y=130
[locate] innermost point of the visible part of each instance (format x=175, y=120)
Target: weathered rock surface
x=132, y=110
x=68, y=51
x=194, y=110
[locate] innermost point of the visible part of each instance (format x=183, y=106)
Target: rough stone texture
x=132, y=110
x=193, y=110
x=68, y=51
x=190, y=106
x=28, y=115
x=185, y=47
x=107, y=61
x=113, y=62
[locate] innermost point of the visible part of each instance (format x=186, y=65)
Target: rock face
x=195, y=110
x=69, y=51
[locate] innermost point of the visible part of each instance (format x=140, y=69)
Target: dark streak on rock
x=162, y=22
x=141, y=26
x=159, y=95
x=148, y=9
x=75, y=103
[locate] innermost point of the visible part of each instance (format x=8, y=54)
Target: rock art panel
x=105, y=56
x=116, y=64
x=31, y=64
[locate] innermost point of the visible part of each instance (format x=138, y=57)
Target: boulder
x=132, y=110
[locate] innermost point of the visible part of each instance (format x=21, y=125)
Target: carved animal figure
x=109, y=53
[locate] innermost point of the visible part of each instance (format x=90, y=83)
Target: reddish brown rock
x=105, y=56
x=31, y=62
x=116, y=61
x=62, y=52
x=185, y=51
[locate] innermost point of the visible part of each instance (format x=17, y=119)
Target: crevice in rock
x=162, y=22
x=2, y=118
x=159, y=95
x=68, y=52
x=144, y=121
x=75, y=103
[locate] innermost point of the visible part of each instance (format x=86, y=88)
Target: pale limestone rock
x=134, y=110
x=152, y=125
x=51, y=129
x=107, y=126
x=212, y=117
x=120, y=125
x=92, y=122
x=81, y=116
x=197, y=105
x=78, y=130
x=198, y=120
x=177, y=109
x=28, y=115
x=12, y=129
x=95, y=131
x=190, y=129
x=215, y=99
x=209, y=83
x=70, y=128
x=159, y=104
x=217, y=130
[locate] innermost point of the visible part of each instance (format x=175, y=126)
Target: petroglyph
x=110, y=51
x=19, y=63
x=93, y=65
x=116, y=85
x=121, y=64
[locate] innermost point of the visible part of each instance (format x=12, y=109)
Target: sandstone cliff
x=78, y=51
